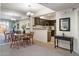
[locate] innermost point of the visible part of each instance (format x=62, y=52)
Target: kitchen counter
x=41, y=35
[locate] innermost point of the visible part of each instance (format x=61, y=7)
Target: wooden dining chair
x=8, y=37
x=31, y=36
x=14, y=41
x=26, y=39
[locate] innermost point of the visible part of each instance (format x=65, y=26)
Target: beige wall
x=73, y=14
x=28, y=22
x=24, y=22
x=76, y=32
x=64, y=14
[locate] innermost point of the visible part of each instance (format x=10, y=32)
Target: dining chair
x=8, y=37
x=31, y=36
x=26, y=39
x=14, y=41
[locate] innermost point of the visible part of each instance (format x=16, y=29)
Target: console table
x=70, y=39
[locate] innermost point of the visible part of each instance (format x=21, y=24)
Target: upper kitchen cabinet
x=52, y=22
x=43, y=22
x=49, y=22
x=38, y=21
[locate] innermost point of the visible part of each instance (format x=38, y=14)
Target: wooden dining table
x=21, y=39
x=21, y=36
x=18, y=35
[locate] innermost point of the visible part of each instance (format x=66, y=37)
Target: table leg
x=32, y=40
x=55, y=43
x=71, y=46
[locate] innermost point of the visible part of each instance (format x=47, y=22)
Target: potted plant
x=23, y=27
x=14, y=28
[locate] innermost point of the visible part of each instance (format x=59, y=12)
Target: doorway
x=52, y=33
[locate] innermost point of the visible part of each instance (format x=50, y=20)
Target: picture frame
x=64, y=24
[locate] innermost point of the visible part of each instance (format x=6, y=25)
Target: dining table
x=18, y=35
x=21, y=38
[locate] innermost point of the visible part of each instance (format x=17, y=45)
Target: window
x=4, y=26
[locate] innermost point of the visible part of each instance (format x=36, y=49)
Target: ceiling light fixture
x=42, y=17
x=29, y=13
x=13, y=19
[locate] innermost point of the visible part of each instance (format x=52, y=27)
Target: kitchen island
x=41, y=35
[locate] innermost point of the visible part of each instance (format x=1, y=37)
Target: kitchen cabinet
x=50, y=22
x=37, y=21
x=44, y=22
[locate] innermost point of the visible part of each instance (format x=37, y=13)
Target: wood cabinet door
x=37, y=21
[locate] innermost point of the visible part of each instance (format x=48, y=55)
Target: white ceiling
x=19, y=10
x=60, y=6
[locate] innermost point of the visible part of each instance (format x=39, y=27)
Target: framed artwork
x=64, y=24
